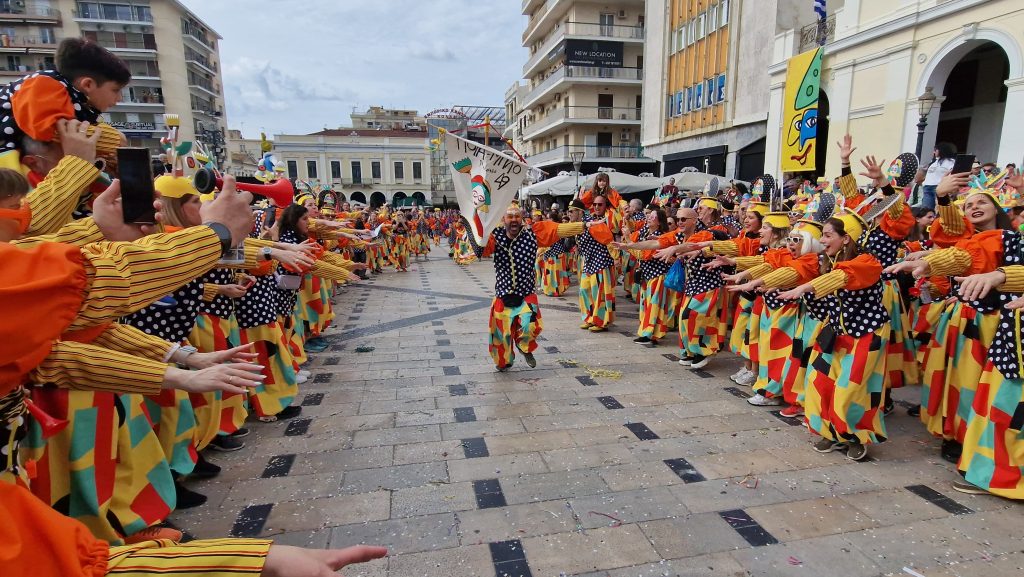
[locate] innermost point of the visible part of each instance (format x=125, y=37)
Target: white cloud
x=295, y=66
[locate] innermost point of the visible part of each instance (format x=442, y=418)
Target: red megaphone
x=280, y=191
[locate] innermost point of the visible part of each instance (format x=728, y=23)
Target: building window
x=375, y=170
x=311, y=169
x=336, y=169
x=724, y=12
x=357, y=172
x=399, y=171
x=700, y=26
x=293, y=169
x=417, y=171
x=691, y=35
x=712, y=18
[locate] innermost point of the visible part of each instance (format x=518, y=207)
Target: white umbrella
x=696, y=180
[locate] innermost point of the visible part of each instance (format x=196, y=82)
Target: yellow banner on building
x=800, y=111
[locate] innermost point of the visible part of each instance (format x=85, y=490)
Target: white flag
x=486, y=182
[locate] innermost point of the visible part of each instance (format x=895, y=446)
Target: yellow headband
x=302, y=198
x=710, y=202
x=777, y=220
x=760, y=208
x=986, y=192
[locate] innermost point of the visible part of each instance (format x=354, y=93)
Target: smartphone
x=135, y=170
x=963, y=163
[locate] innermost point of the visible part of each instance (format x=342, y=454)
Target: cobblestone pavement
x=422, y=447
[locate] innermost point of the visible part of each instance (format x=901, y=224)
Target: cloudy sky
x=298, y=66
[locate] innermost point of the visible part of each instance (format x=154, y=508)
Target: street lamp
x=925, y=102
x=577, y=163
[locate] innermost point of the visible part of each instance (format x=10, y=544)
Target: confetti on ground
x=365, y=349
x=749, y=481
x=575, y=517
x=911, y=572
x=593, y=372
x=616, y=522
x=794, y=561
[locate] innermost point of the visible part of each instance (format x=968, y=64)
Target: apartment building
x=380, y=118
x=583, y=91
x=881, y=59
x=707, y=61
x=172, y=54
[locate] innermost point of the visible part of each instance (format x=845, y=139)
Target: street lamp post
x=577, y=164
x=925, y=102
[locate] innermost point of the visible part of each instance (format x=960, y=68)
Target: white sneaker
x=300, y=378
x=687, y=361
x=699, y=362
x=747, y=379
x=304, y=373
x=738, y=374
x=759, y=400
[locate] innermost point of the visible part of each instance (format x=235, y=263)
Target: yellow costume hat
x=760, y=208
x=776, y=220
x=814, y=228
x=853, y=224
x=175, y=186
x=710, y=202
x=991, y=194
x=302, y=198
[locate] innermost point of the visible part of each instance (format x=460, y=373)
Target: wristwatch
x=265, y=252
x=186, y=352
x=223, y=234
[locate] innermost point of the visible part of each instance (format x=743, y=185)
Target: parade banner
x=800, y=113
x=486, y=181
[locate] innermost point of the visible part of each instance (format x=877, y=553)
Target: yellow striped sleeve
x=327, y=271
x=77, y=233
x=210, y=292
x=951, y=218
x=567, y=229
x=57, y=196
x=90, y=367
x=725, y=248
x=130, y=340
x=896, y=210
x=828, y=283
x=760, y=270
x=337, y=260
x=210, y=557
x=125, y=277
x=948, y=261
x=1014, y=279
x=783, y=278
x=110, y=139
x=848, y=186
x=745, y=262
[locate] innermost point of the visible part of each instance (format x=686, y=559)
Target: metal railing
x=88, y=14
x=812, y=34
x=10, y=41
x=607, y=113
x=606, y=30
x=29, y=10
x=603, y=72
x=593, y=153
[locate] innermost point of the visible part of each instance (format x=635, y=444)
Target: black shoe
x=240, y=433
x=642, y=340
x=914, y=411
x=530, y=361
x=204, y=469
x=186, y=498
x=951, y=451
x=290, y=412
x=226, y=444
x=889, y=407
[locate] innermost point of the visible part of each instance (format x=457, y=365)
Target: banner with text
x=486, y=181
x=594, y=53
x=800, y=112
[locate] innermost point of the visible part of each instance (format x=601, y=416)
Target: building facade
x=584, y=86
x=483, y=124
x=380, y=118
x=882, y=55
x=707, y=61
x=172, y=54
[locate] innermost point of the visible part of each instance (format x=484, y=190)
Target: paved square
x=420, y=446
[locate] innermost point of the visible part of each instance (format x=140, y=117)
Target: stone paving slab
x=460, y=470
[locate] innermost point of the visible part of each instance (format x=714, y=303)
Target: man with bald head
x=700, y=333
x=515, y=321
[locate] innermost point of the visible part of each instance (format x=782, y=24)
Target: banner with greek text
x=486, y=181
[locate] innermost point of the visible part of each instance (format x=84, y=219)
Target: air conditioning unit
x=622, y=14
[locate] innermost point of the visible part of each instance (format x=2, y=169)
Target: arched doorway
x=358, y=196
x=972, y=113
x=377, y=199
x=979, y=78
x=341, y=196
x=421, y=198
x=397, y=199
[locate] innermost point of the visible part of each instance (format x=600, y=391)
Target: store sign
x=594, y=53
x=135, y=126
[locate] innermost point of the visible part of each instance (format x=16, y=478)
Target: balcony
x=198, y=38
x=585, y=74
x=582, y=115
x=529, y=5
x=24, y=44
x=201, y=64
x=560, y=154
x=148, y=47
x=123, y=15
x=204, y=111
x=143, y=100
x=546, y=14
x=811, y=35
x=552, y=47
x=29, y=13
x=204, y=85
